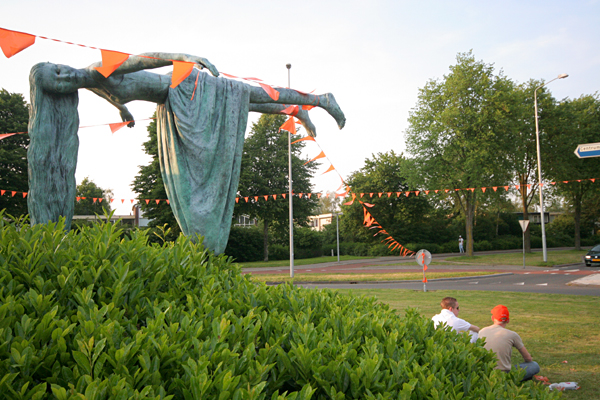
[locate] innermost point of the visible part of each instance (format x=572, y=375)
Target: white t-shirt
x=457, y=324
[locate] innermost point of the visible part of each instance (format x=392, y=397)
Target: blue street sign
x=588, y=150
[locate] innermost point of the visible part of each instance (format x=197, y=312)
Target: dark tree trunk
x=469, y=217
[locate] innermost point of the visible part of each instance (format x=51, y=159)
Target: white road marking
x=473, y=283
x=571, y=270
x=541, y=284
x=567, y=274
x=520, y=283
x=526, y=273
x=308, y=270
x=553, y=273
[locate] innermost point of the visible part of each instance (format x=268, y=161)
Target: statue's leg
x=290, y=96
x=302, y=115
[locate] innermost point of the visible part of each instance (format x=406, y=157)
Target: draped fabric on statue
x=200, y=143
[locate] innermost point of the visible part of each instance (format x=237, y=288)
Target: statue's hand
x=126, y=116
x=204, y=63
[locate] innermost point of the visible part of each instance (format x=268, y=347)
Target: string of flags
x=13, y=42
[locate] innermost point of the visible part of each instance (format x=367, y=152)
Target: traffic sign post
x=423, y=259
x=524, y=224
x=588, y=150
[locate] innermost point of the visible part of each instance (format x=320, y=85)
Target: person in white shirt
x=449, y=316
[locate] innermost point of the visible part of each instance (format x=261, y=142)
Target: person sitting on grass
x=449, y=316
x=501, y=341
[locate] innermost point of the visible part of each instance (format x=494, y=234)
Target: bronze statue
x=201, y=125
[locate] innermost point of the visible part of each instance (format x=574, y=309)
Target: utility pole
x=289, y=66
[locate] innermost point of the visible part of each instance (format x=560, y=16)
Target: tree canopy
x=14, y=117
x=96, y=201
x=455, y=134
x=265, y=172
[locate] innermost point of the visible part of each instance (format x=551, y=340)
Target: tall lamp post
x=539, y=163
x=289, y=66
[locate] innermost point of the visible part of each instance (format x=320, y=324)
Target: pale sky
x=373, y=56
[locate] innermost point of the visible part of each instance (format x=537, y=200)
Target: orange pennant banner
x=117, y=125
x=289, y=126
x=295, y=141
x=111, y=60
x=328, y=170
x=181, y=70
x=274, y=94
x=13, y=42
x=5, y=135
x=321, y=155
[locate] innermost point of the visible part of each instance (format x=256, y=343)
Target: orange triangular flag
x=255, y=198
x=417, y=192
x=304, y=138
x=2, y=192
x=447, y=190
x=168, y=201
x=237, y=200
x=319, y=195
x=289, y=126
x=5, y=135
x=117, y=125
x=274, y=94
x=495, y=188
x=427, y=192
x=328, y=170
x=368, y=205
x=111, y=60
x=483, y=189
x=157, y=201
x=321, y=155
x=122, y=201
x=147, y=201
x=436, y=191
x=398, y=194
x=283, y=194
x=593, y=180
x=266, y=197
x=308, y=195
x=181, y=70
x=389, y=194
x=301, y=195
x=291, y=110
x=94, y=198
x=379, y=194
x=100, y=200
x=407, y=193
x=111, y=200
x=472, y=189
x=371, y=195
x=274, y=197
x=506, y=188
x=24, y=194
x=245, y=198
x=13, y=42
x=132, y=201
x=362, y=194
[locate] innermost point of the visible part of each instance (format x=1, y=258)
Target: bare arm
x=526, y=356
x=474, y=328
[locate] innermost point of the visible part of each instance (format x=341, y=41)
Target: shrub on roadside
x=93, y=316
x=245, y=243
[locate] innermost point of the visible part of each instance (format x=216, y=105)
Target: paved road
x=513, y=278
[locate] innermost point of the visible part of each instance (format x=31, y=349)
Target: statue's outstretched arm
x=278, y=108
x=157, y=60
x=123, y=111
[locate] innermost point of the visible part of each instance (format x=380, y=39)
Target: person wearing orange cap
x=501, y=341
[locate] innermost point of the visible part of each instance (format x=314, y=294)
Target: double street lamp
x=539, y=163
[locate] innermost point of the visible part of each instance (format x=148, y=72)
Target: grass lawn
x=396, y=276
x=304, y=261
x=554, y=328
x=555, y=257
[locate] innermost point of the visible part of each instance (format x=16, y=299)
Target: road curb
x=274, y=283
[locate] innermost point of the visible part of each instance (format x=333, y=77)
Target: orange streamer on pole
x=12, y=42
x=328, y=170
x=274, y=94
x=111, y=60
x=289, y=126
x=299, y=140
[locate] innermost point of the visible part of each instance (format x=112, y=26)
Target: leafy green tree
x=14, y=117
x=455, y=134
x=87, y=206
x=328, y=203
x=148, y=184
x=401, y=216
x=578, y=122
x=265, y=172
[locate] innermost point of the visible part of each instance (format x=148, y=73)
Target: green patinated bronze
x=200, y=132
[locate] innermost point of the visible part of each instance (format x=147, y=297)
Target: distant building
x=244, y=221
x=318, y=222
x=136, y=219
x=534, y=217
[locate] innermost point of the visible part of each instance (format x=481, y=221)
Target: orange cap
x=500, y=313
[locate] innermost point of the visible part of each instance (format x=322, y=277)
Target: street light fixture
x=539, y=163
x=289, y=66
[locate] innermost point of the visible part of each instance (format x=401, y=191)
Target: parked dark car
x=593, y=256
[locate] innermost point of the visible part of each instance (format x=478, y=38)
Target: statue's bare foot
x=327, y=102
x=306, y=122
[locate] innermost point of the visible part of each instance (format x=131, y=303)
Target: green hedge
x=93, y=316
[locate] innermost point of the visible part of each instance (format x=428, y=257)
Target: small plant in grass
x=92, y=315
